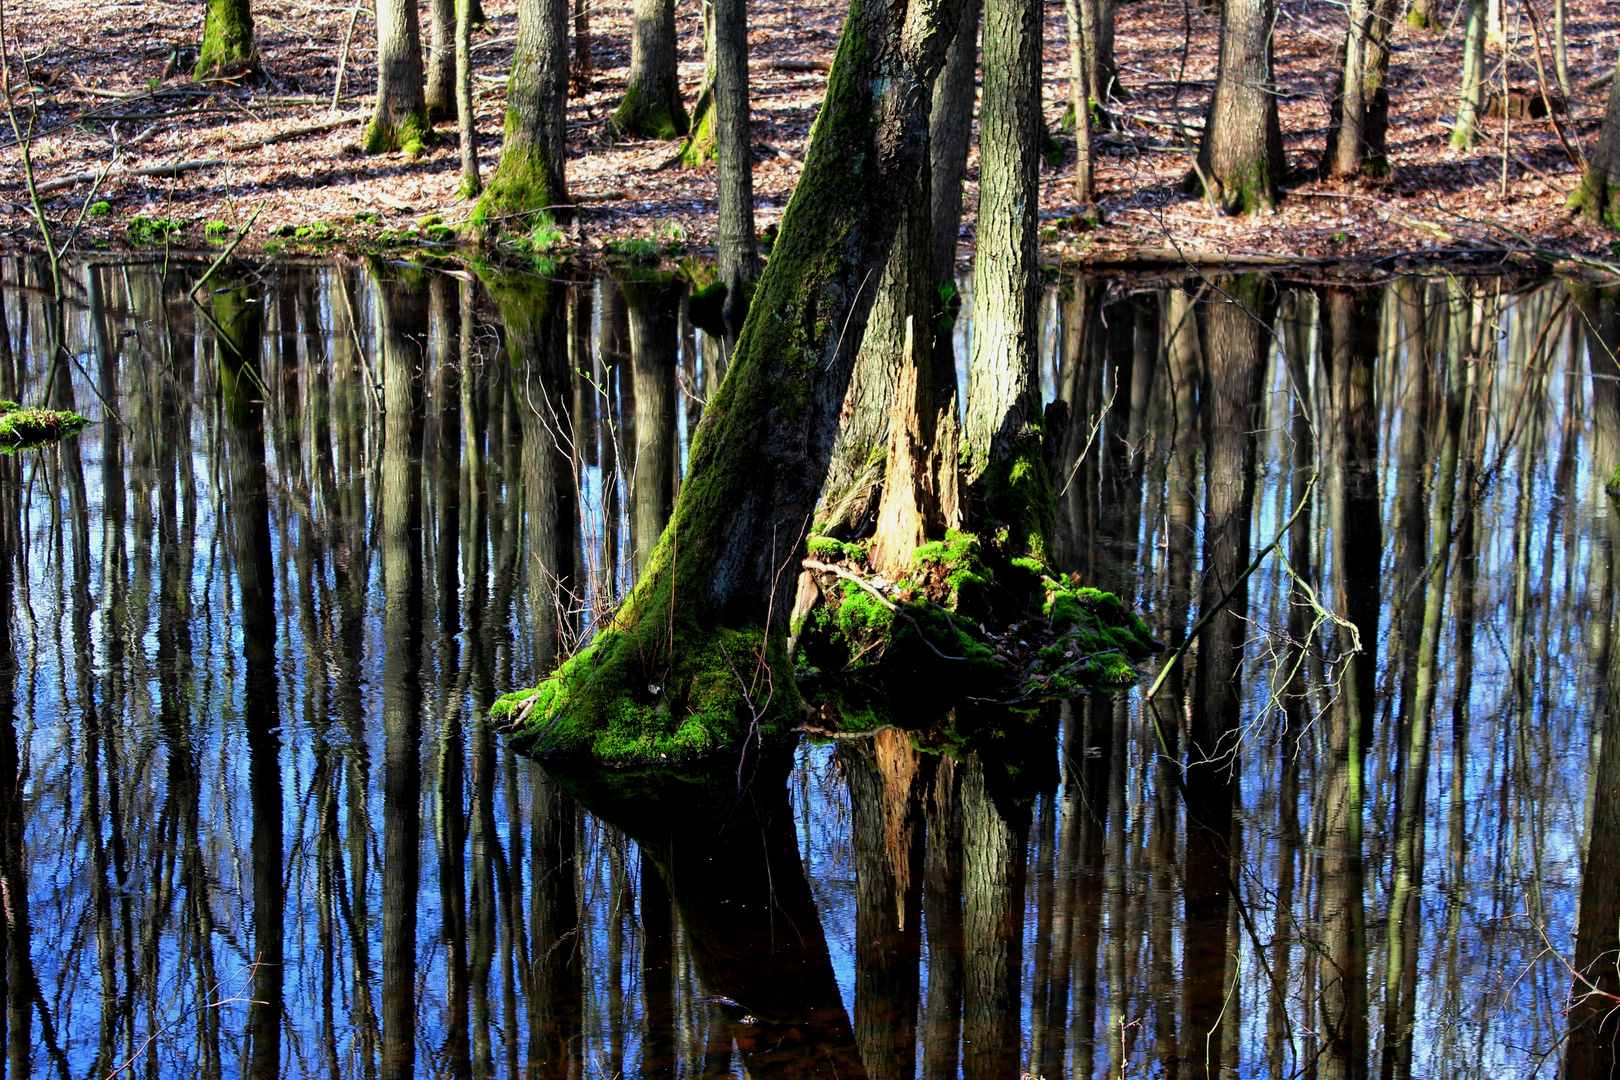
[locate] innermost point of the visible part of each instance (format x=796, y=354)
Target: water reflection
x=255, y=821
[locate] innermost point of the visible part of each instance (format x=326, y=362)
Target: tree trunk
x=942, y=903
x=1006, y=469
x=950, y=131
x=440, y=92
x=400, y=121
x=1472, y=98
x=1358, y=125
x=739, y=254
x=1561, y=48
x=1080, y=99
x=701, y=143
x=1598, y=196
x=534, y=140
x=652, y=108
x=580, y=76
x=1423, y=15
x=227, y=45
x=1240, y=161
x=471, y=183
x=995, y=832
x=694, y=660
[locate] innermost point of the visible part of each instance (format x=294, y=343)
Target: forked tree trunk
x=694, y=660
x=701, y=142
x=1240, y=161
x=227, y=44
x=1598, y=196
x=1006, y=471
x=1471, y=100
x=652, y=107
x=400, y=121
x=530, y=173
x=738, y=251
x=1358, y=126
x=440, y=91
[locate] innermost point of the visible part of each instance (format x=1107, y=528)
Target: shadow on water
x=254, y=819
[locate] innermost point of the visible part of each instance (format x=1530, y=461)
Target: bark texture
x=950, y=131
x=694, y=660
x=1598, y=196
x=738, y=251
x=1471, y=99
x=652, y=107
x=1002, y=428
x=471, y=182
x=440, y=91
x=227, y=46
x=533, y=143
x=1358, y=126
x=1240, y=161
x=400, y=121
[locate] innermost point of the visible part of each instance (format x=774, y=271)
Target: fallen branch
x=799, y=65
x=294, y=133
x=63, y=182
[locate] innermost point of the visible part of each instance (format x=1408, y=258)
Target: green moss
x=829, y=549
x=24, y=429
x=100, y=209
x=636, y=252
x=645, y=116
x=413, y=135
x=227, y=42
x=701, y=145
x=146, y=232
x=1019, y=493
x=1597, y=200
x=525, y=182
x=959, y=557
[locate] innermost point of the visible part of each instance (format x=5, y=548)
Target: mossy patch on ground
x=23, y=429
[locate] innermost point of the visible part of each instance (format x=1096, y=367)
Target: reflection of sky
x=1488, y=1006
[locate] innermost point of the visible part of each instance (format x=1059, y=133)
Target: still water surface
x=255, y=821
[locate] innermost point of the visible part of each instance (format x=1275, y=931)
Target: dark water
x=255, y=820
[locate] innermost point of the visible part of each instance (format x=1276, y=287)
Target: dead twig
x=150, y=170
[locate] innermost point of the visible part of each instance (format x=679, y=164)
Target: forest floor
x=98, y=93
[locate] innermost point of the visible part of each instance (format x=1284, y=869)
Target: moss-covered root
x=645, y=116
x=627, y=701
x=701, y=145
x=413, y=134
x=526, y=181
x=24, y=429
x=1019, y=493
x=227, y=43
x=1596, y=199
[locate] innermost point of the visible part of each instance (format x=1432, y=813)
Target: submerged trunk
x=530, y=173
x=1598, y=196
x=227, y=45
x=1006, y=469
x=694, y=660
x=1240, y=161
x=400, y=121
x=652, y=108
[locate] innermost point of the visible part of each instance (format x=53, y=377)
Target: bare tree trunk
x=950, y=131
x=400, y=121
x=1080, y=93
x=530, y=173
x=1598, y=196
x=440, y=92
x=652, y=108
x=1240, y=161
x=227, y=47
x=466, y=118
x=702, y=144
x=580, y=76
x=1561, y=48
x=1471, y=100
x=1359, y=118
x=739, y=254
x=1423, y=15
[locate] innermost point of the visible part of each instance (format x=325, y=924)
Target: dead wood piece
x=799, y=65
x=62, y=182
x=294, y=133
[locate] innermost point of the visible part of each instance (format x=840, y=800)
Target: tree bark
x=1471, y=100
x=400, y=121
x=651, y=107
x=1598, y=196
x=695, y=658
x=1240, y=161
x=439, y=94
x=227, y=47
x=580, y=76
x=1002, y=428
x=534, y=139
x=950, y=131
x=1358, y=125
x=701, y=143
x=1080, y=99
x=466, y=119
x=738, y=251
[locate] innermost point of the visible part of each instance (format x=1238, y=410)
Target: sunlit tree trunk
x=439, y=91
x=1359, y=121
x=950, y=131
x=400, y=121
x=651, y=107
x=227, y=47
x=466, y=117
x=1471, y=99
x=534, y=140
x=738, y=252
x=1598, y=196
x=1240, y=160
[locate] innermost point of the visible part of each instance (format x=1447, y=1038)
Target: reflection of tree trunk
x=657, y=976
x=556, y=999
x=1235, y=333
x=1045, y=895
x=995, y=828
x=654, y=340
x=942, y=899
x=402, y=325
x=1352, y=323
x=1594, y=1022
x=18, y=988
x=731, y=865
x=886, y=783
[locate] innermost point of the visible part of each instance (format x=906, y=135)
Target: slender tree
x=530, y=174
x=1471, y=99
x=701, y=142
x=580, y=75
x=439, y=93
x=739, y=256
x=400, y=121
x=1598, y=196
x=227, y=47
x=1240, y=160
x=652, y=107
x=1080, y=97
x=466, y=119
x=950, y=131
x=1358, y=126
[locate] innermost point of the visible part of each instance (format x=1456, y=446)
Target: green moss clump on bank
x=24, y=429
x=829, y=549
